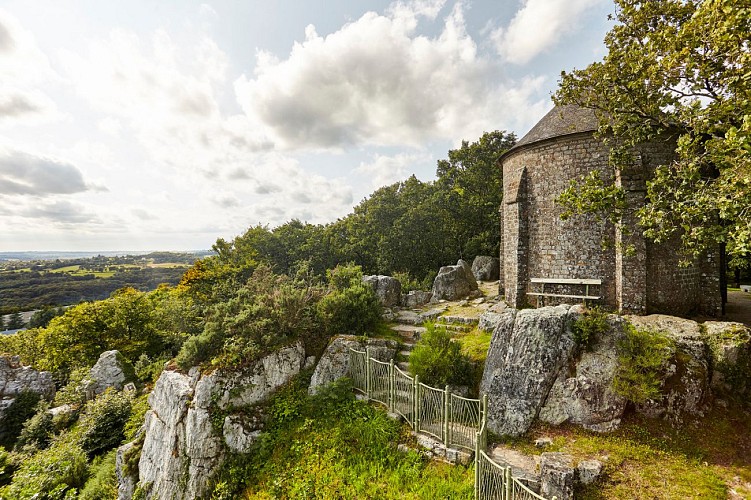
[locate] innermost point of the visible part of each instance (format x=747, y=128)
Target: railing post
x=477, y=464
x=507, y=482
x=484, y=410
x=417, y=404
x=391, y=385
x=446, y=438
x=367, y=373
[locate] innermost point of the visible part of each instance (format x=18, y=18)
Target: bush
x=643, y=355
x=103, y=421
x=73, y=392
x=591, y=324
x=12, y=420
x=351, y=306
x=102, y=483
x=267, y=311
x=438, y=360
x=53, y=473
x=37, y=431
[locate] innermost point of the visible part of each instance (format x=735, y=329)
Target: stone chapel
x=537, y=244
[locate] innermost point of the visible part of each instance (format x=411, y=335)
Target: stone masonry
x=537, y=243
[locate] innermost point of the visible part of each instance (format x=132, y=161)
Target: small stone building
x=537, y=243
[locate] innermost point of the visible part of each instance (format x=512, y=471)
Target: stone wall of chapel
x=558, y=248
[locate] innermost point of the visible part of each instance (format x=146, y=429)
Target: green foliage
x=102, y=483
x=42, y=318
x=351, y=306
x=332, y=446
x=643, y=356
x=138, y=408
x=102, y=423
x=592, y=324
x=679, y=70
x=52, y=474
x=148, y=370
x=7, y=467
x=438, y=360
x=267, y=311
x=14, y=416
x=37, y=431
x=73, y=392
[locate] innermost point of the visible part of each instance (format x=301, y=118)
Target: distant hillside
x=27, y=284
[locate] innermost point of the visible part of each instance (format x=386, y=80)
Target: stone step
x=409, y=332
x=457, y=320
x=455, y=328
x=523, y=467
x=405, y=353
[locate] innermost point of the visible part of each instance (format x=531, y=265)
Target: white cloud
x=385, y=170
x=538, y=26
x=25, y=174
x=375, y=81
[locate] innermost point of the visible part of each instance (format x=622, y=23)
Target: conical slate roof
x=561, y=120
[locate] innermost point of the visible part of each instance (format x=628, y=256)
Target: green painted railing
x=454, y=420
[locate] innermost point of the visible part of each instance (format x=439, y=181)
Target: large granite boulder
x=110, y=370
x=730, y=355
x=557, y=476
x=182, y=449
x=685, y=382
x=416, y=298
x=583, y=394
x=334, y=363
x=16, y=378
x=486, y=268
x=454, y=282
x=387, y=289
x=527, y=352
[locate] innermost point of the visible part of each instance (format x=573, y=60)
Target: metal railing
x=454, y=420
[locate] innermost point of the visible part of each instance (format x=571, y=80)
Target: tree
x=15, y=321
x=471, y=182
x=678, y=67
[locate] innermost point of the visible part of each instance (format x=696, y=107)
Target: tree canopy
x=680, y=67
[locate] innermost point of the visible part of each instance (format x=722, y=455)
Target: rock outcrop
x=454, y=282
x=16, y=378
x=486, y=268
x=730, y=356
x=685, y=385
x=557, y=476
x=583, y=394
x=416, y=298
x=387, y=289
x=182, y=449
x=534, y=370
x=527, y=352
x=334, y=363
x=110, y=370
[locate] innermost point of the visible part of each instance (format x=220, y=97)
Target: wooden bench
x=586, y=283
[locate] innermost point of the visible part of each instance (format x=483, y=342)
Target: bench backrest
x=566, y=281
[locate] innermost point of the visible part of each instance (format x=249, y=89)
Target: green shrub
x=51, y=474
x=351, y=306
x=407, y=281
x=37, y=431
x=73, y=392
x=102, y=483
x=148, y=370
x=102, y=423
x=438, y=360
x=266, y=312
x=590, y=325
x=13, y=418
x=643, y=355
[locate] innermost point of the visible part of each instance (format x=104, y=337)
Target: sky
x=142, y=125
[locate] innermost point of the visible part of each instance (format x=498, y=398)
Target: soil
x=738, y=307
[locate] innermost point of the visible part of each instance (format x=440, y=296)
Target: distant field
x=28, y=285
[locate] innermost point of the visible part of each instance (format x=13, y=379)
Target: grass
x=475, y=344
x=331, y=446
x=648, y=458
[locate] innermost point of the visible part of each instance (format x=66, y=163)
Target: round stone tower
x=538, y=245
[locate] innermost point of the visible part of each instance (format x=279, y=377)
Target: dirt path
x=738, y=307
